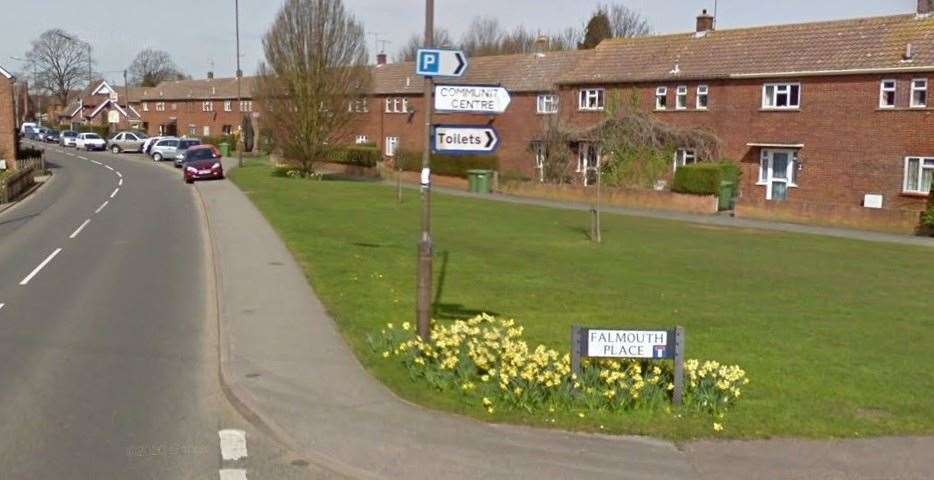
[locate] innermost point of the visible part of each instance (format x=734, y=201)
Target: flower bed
x=486, y=359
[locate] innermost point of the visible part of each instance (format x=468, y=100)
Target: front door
x=777, y=172
x=588, y=162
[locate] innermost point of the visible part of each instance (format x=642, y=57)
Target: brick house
x=7, y=119
x=825, y=112
x=204, y=107
x=100, y=105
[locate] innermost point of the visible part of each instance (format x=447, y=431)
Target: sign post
x=429, y=64
x=645, y=344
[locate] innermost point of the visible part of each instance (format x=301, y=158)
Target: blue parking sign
x=429, y=62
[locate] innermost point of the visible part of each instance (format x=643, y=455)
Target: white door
x=588, y=162
x=777, y=172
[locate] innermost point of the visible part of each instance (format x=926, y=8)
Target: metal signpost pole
x=677, y=396
x=240, y=142
x=423, y=309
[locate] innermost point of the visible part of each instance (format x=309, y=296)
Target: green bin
x=480, y=181
x=225, y=149
x=726, y=195
x=472, y=181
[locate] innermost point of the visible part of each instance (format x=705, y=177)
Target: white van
x=26, y=126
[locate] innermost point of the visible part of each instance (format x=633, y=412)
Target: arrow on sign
x=464, y=140
x=471, y=99
x=440, y=63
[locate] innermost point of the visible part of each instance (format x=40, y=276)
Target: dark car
x=183, y=145
x=202, y=162
x=52, y=136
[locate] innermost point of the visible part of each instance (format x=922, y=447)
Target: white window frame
x=540, y=154
x=766, y=159
x=591, y=99
x=145, y=106
x=246, y=106
x=661, y=98
x=684, y=156
x=192, y=129
x=547, y=104
x=360, y=140
x=924, y=163
x=397, y=105
x=160, y=106
x=392, y=146
x=227, y=106
x=681, y=97
x=358, y=105
x=206, y=130
x=883, y=90
x=702, y=91
x=207, y=106
x=583, y=164
x=771, y=102
x=919, y=85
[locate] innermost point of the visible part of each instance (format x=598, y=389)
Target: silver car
x=183, y=145
x=126, y=142
x=165, y=148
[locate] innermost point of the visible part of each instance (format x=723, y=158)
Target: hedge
x=927, y=218
x=360, y=155
x=705, y=178
x=447, y=165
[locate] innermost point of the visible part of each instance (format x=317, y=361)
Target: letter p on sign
x=429, y=62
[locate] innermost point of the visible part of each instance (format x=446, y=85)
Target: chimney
x=542, y=44
x=925, y=7
x=210, y=75
x=705, y=21
x=382, y=59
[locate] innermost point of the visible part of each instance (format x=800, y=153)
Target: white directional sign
x=471, y=99
x=440, y=63
x=464, y=140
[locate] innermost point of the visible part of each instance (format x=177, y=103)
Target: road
x=108, y=340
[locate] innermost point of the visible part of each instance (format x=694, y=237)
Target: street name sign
x=464, y=139
x=440, y=63
x=471, y=99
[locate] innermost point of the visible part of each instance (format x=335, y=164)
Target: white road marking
x=119, y=174
x=71, y=155
x=120, y=183
x=233, y=444
x=108, y=167
x=86, y=222
x=102, y=206
x=233, y=474
x=112, y=195
x=93, y=161
x=40, y=267
x=2, y=305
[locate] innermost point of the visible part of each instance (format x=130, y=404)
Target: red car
x=201, y=162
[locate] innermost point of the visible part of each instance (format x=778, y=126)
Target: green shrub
x=927, y=218
x=360, y=155
x=447, y=165
x=219, y=139
x=705, y=178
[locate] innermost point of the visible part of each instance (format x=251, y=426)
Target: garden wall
x=620, y=197
x=838, y=215
x=349, y=170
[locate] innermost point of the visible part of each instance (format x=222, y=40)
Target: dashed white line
x=233, y=474
x=108, y=167
x=93, y=161
x=2, y=305
x=71, y=155
x=233, y=444
x=102, y=206
x=82, y=158
x=76, y=232
x=112, y=195
x=40, y=267
x=120, y=183
x=119, y=174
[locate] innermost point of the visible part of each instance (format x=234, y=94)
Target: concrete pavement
x=288, y=366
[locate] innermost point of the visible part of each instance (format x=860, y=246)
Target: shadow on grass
x=451, y=311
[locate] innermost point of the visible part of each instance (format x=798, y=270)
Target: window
x=207, y=131
x=919, y=93
x=541, y=153
x=703, y=92
x=226, y=129
x=588, y=162
x=887, y=90
x=392, y=145
x=661, y=98
x=778, y=171
x=207, y=106
x=357, y=106
x=360, y=140
x=174, y=106
x=192, y=130
x=547, y=104
x=919, y=174
x=145, y=106
x=592, y=99
x=684, y=157
x=681, y=102
x=227, y=106
x=246, y=106
x=160, y=106
x=397, y=105
x=781, y=96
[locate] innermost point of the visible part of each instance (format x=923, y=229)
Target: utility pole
x=423, y=309
x=240, y=143
x=126, y=93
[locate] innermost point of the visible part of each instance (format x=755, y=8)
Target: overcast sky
x=200, y=33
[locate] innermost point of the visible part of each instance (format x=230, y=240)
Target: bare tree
x=61, y=62
x=483, y=37
x=151, y=67
x=316, y=66
x=442, y=38
x=567, y=39
x=519, y=40
x=626, y=22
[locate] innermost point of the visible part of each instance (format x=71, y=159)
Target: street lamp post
x=240, y=143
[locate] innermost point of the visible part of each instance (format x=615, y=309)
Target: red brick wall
x=7, y=122
x=189, y=112
x=851, y=146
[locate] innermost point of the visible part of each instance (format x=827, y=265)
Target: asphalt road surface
x=108, y=344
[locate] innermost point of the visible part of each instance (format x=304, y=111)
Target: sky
x=200, y=34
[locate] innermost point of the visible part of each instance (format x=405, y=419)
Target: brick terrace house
x=7, y=118
x=205, y=107
x=100, y=104
x=824, y=112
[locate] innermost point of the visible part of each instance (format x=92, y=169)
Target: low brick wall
x=620, y=197
x=838, y=215
x=14, y=184
x=349, y=170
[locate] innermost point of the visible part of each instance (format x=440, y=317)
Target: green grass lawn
x=836, y=335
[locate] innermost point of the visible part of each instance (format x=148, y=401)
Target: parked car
x=164, y=148
x=52, y=136
x=25, y=127
x=151, y=141
x=41, y=133
x=90, y=141
x=202, y=162
x=183, y=145
x=126, y=142
x=68, y=138
x=31, y=133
